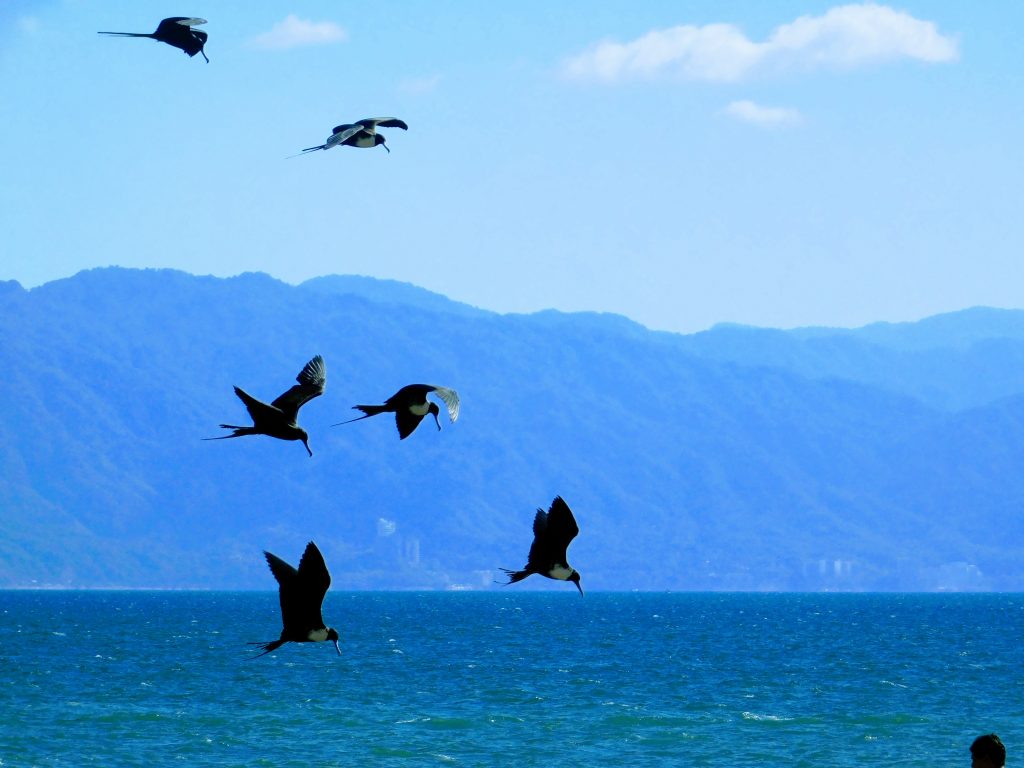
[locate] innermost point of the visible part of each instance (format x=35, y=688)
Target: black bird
x=302, y=596
x=177, y=31
x=410, y=405
x=362, y=134
x=278, y=419
x=553, y=531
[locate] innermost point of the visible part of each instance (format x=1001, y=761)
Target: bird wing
x=561, y=528
x=173, y=24
x=408, y=395
x=312, y=380
x=288, y=589
x=406, y=421
x=451, y=400
x=314, y=580
x=371, y=123
x=341, y=134
x=552, y=532
x=258, y=410
x=539, y=559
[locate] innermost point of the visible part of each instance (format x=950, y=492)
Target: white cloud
x=294, y=32
x=846, y=36
x=766, y=117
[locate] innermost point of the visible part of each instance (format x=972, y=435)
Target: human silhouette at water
x=988, y=752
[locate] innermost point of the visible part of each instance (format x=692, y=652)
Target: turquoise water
x=510, y=679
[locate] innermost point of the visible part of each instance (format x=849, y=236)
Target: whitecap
x=765, y=718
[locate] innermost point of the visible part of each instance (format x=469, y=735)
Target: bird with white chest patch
x=553, y=531
x=362, y=134
x=302, y=594
x=410, y=405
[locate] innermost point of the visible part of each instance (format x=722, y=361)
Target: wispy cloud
x=844, y=37
x=294, y=32
x=765, y=117
x=28, y=24
x=420, y=85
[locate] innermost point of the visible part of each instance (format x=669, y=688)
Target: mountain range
x=886, y=457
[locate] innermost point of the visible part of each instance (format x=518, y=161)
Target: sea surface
x=510, y=679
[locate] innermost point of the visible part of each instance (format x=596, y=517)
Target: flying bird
x=410, y=405
x=176, y=31
x=279, y=418
x=553, y=531
x=302, y=596
x=362, y=134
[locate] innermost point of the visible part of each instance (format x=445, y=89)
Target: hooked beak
x=307, y=447
x=437, y=422
x=386, y=148
x=578, y=586
x=336, y=647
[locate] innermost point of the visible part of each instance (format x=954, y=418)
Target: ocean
x=510, y=678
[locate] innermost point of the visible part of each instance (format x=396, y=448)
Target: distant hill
x=886, y=457
x=390, y=292
x=953, y=361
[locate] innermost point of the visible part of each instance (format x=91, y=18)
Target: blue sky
x=681, y=163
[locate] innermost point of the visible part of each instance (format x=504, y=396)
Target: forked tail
x=273, y=645
x=513, y=576
x=239, y=432
x=368, y=411
x=127, y=34
x=306, y=151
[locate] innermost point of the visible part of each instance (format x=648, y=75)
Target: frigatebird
x=279, y=418
x=302, y=596
x=362, y=134
x=553, y=531
x=410, y=405
x=176, y=31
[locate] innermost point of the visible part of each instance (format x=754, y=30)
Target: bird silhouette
x=302, y=596
x=279, y=418
x=410, y=405
x=553, y=531
x=176, y=31
x=362, y=134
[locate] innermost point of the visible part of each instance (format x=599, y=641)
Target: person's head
x=988, y=752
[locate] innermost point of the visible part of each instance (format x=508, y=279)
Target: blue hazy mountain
x=885, y=457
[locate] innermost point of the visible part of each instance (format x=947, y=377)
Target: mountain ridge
x=691, y=463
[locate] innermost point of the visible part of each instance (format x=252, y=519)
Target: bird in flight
x=279, y=418
x=176, y=31
x=553, y=531
x=362, y=134
x=302, y=596
x=410, y=405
